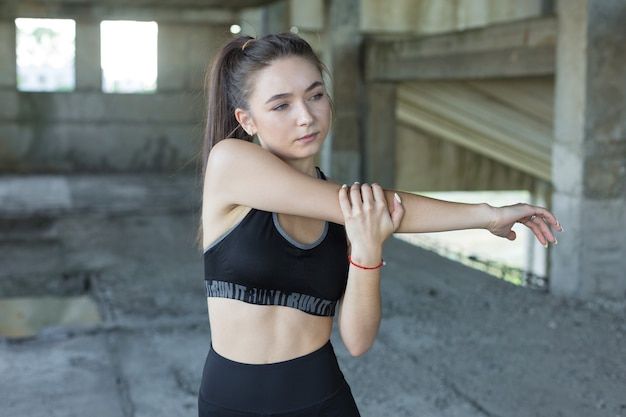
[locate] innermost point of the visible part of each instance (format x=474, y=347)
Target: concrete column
x=344, y=47
x=88, y=65
x=172, y=57
x=589, y=154
x=251, y=21
x=13, y=144
x=7, y=54
x=275, y=18
x=380, y=134
x=307, y=15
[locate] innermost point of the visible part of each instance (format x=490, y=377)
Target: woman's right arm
x=240, y=173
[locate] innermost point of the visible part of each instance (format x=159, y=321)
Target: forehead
x=285, y=76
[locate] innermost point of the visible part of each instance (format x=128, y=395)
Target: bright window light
x=45, y=52
x=129, y=56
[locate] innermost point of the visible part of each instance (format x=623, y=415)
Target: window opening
x=45, y=52
x=128, y=56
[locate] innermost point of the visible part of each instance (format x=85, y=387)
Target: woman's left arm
x=368, y=223
x=424, y=215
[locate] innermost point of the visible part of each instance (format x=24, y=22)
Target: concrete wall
x=427, y=17
x=88, y=130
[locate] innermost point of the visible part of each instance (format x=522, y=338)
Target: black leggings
x=308, y=386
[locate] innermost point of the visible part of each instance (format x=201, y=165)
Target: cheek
x=274, y=129
x=322, y=112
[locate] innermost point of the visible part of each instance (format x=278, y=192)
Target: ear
x=245, y=120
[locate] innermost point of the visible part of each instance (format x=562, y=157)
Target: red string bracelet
x=367, y=268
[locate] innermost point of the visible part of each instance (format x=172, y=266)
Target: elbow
x=358, y=349
x=355, y=353
x=358, y=336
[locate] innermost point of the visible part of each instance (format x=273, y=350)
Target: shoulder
x=232, y=147
x=240, y=159
x=229, y=148
x=230, y=155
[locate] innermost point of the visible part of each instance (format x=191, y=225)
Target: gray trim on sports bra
x=226, y=233
x=282, y=231
x=304, y=246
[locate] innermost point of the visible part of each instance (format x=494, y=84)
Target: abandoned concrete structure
x=99, y=203
x=432, y=95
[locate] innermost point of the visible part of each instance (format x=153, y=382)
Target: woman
x=277, y=261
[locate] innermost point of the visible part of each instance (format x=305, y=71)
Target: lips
x=308, y=138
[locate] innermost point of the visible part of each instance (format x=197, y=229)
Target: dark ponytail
x=229, y=80
x=221, y=99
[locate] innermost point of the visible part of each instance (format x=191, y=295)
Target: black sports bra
x=258, y=263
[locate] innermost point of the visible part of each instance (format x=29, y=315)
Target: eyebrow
x=283, y=95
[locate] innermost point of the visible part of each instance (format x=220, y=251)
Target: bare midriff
x=255, y=334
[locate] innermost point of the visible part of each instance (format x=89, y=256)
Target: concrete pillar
x=251, y=21
x=344, y=47
x=7, y=54
x=589, y=154
x=380, y=134
x=173, y=53
x=88, y=61
x=13, y=144
x=275, y=17
x=307, y=15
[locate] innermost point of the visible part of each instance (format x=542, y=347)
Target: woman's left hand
x=539, y=220
x=367, y=218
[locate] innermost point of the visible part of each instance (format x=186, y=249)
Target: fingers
x=544, y=217
x=511, y=235
x=398, y=211
x=344, y=201
x=548, y=218
x=359, y=199
x=361, y=193
x=541, y=221
x=353, y=198
x=540, y=226
x=364, y=194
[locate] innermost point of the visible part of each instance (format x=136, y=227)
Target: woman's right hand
x=368, y=220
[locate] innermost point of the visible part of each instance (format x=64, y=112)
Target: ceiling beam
x=187, y=11
x=518, y=49
x=227, y=4
x=207, y=11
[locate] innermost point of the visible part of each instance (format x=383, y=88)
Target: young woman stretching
x=279, y=262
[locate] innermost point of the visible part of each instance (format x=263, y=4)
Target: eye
x=317, y=96
x=280, y=107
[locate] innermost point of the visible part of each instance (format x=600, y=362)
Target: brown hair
x=230, y=79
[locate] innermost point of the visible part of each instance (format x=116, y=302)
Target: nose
x=305, y=117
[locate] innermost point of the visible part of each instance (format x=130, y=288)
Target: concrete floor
x=453, y=342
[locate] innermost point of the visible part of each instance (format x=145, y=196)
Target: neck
x=306, y=166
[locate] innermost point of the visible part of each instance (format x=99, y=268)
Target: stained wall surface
x=87, y=130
